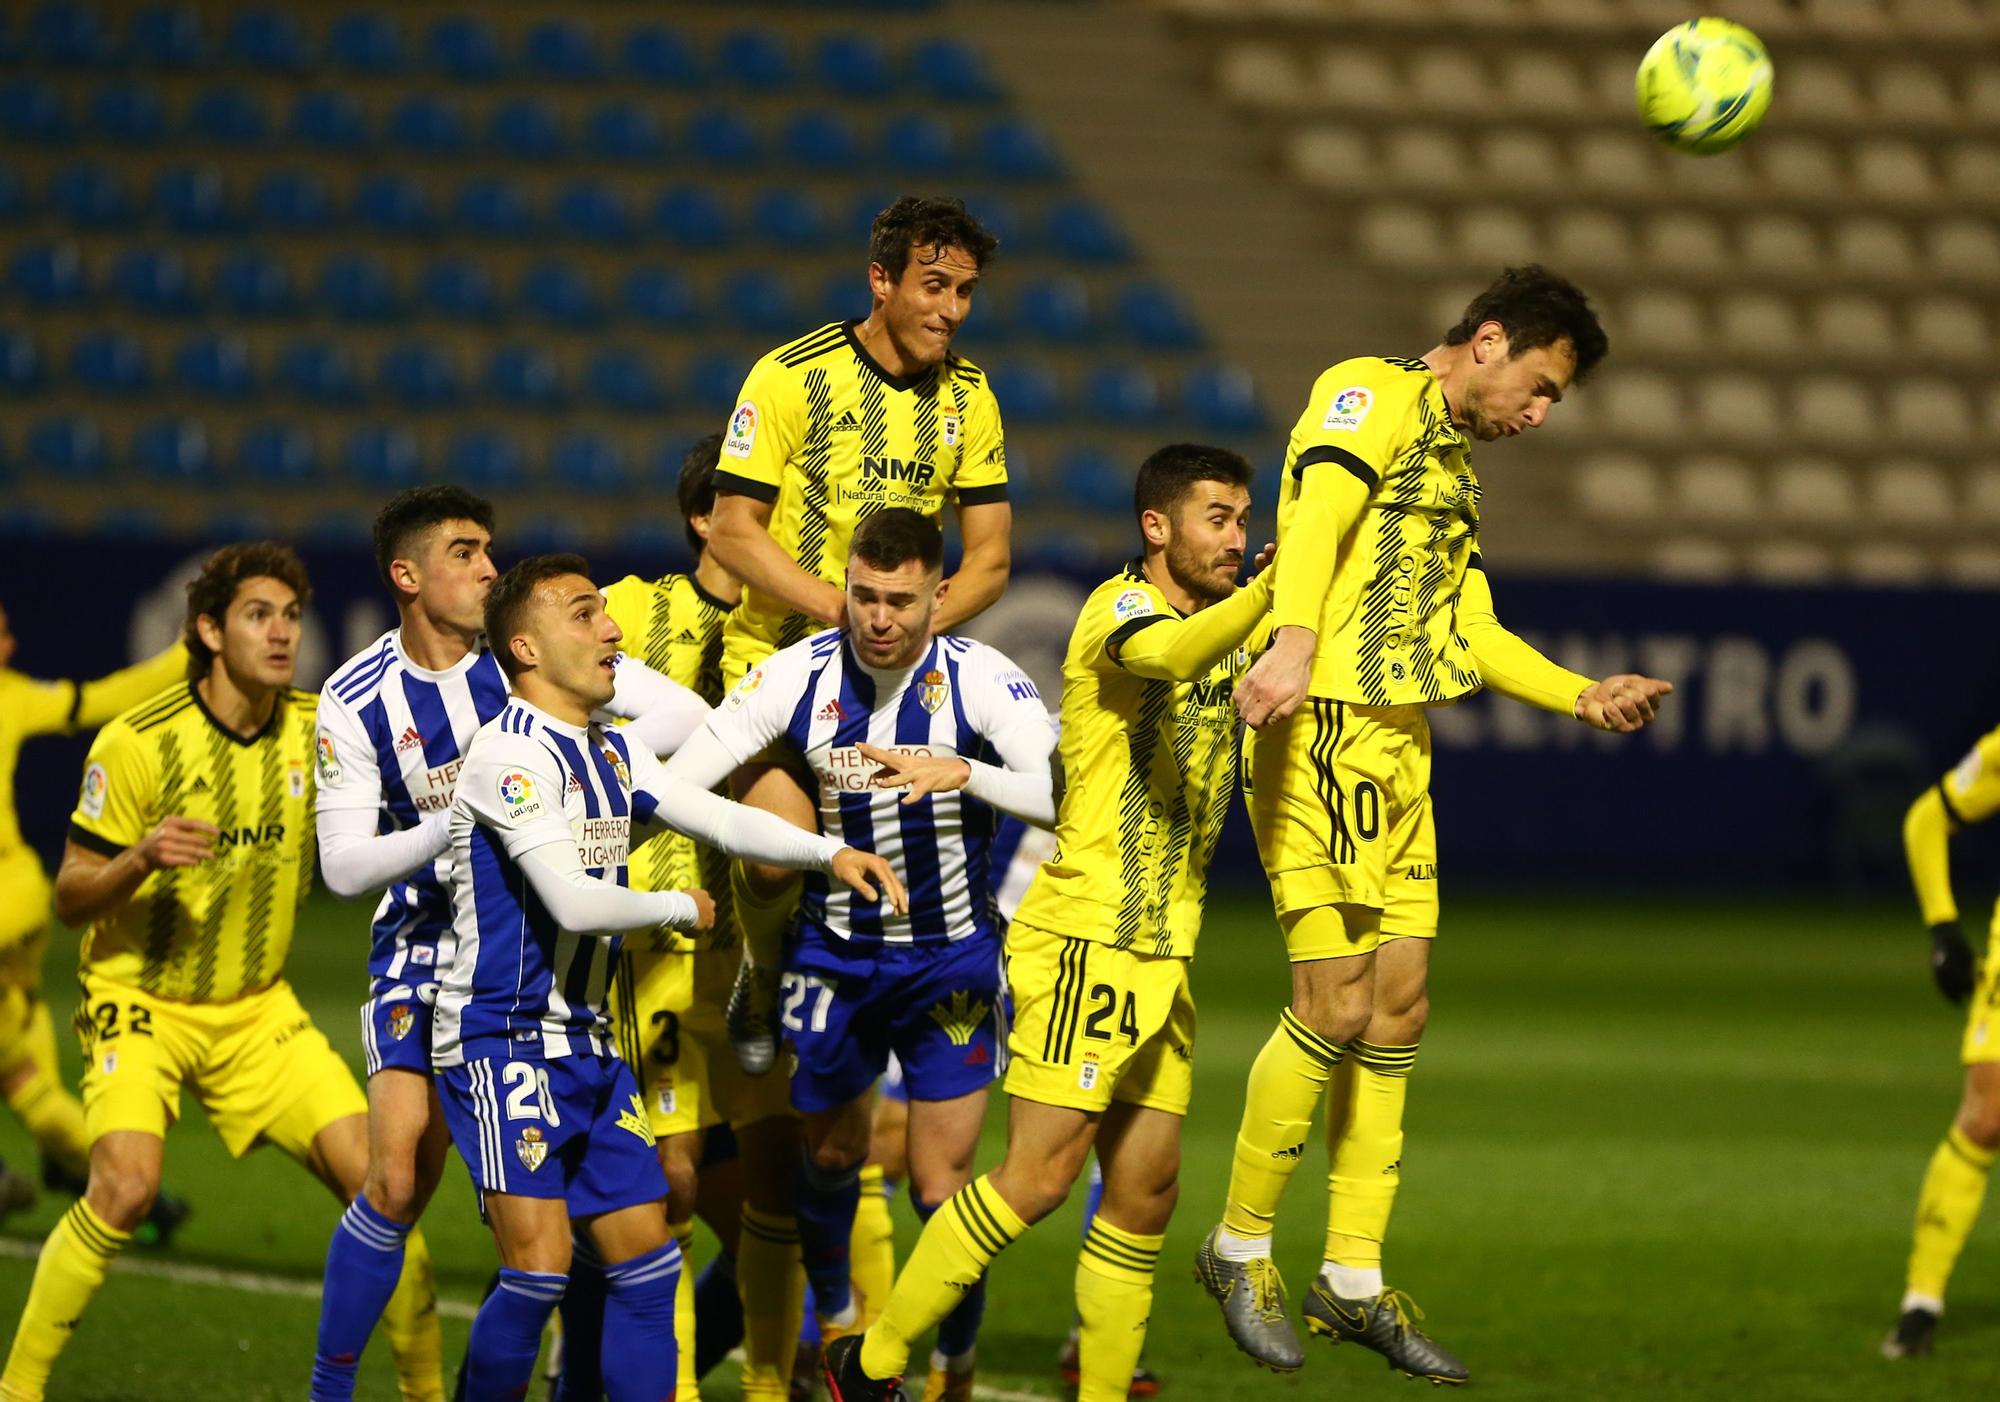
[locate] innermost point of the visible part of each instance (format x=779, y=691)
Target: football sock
x=686, y=1380
x=809, y=1318
x=958, y=1331
x=1954, y=1187
x=1285, y=1085
x=410, y=1320
x=582, y=1313
x=828, y=1201
x=773, y=1290
x=67, y=1274
x=51, y=1115
x=974, y=1225
x=364, y=1260
x=762, y=919
x=1365, y=1132
x=640, y=1358
x=718, y=1314
x=1114, y=1298
x=507, y=1334
x=872, y=1249
x=1093, y=1197
x=465, y=1359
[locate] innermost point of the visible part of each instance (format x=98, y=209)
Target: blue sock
x=959, y=1330
x=465, y=1359
x=363, y=1262
x=640, y=1361
x=507, y=1334
x=583, y=1325
x=828, y=1200
x=1093, y=1199
x=809, y=1319
x=718, y=1314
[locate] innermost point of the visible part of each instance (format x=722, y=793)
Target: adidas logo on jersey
x=831, y=711
x=686, y=635
x=575, y=785
x=846, y=421
x=411, y=739
x=200, y=785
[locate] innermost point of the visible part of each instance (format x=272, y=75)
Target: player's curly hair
x=409, y=513
x=928, y=222
x=696, y=487
x=511, y=594
x=210, y=593
x=1167, y=476
x=1538, y=308
x=896, y=535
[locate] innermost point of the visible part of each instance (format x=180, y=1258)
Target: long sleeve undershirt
x=1509, y=665
x=735, y=829
x=1332, y=497
x=589, y=905
x=1927, y=830
x=355, y=860
x=1023, y=785
x=1175, y=649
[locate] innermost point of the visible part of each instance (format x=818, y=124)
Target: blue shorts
x=894, y=1087
x=936, y=1007
x=396, y=1028
x=572, y=1128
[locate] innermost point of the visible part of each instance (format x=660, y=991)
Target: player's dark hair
x=210, y=593
x=409, y=513
x=1171, y=473
x=696, y=488
x=510, y=596
x=896, y=535
x=1538, y=308
x=921, y=221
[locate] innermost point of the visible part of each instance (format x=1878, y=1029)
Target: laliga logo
x=744, y=422
x=516, y=789
x=1351, y=401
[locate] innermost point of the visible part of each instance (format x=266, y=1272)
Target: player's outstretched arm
x=354, y=859
x=91, y=883
x=1162, y=647
x=1621, y=704
x=1029, y=795
x=590, y=905
x=1927, y=830
x=740, y=537
x=97, y=701
x=662, y=713
x=985, y=533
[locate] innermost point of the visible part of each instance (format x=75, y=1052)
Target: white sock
x=844, y=1319
x=1352, y=1282
x=953, y=1363
x=1913, y=1301
x=1241, y=1248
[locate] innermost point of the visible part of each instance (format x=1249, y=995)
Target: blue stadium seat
x=1222, y=399
x=269, y=41
x=587, y=462
x=229, y=117
x=31, y=114
x=154, y=281
x=1016, y=149
x=641, y=540
x=524, y=376
x=67, y=35
x=193, y=201
x=394, y=203
x=953, y=71
x=920, y=144
x=1096, y=480
x=492, y=209
x=662, y=297
x=418, y=375
x=691, y=217
x=217, y=367
x=365, y=42
x=1028, y=393
x=110, y=362
x=485, y=460
x=1153, y=315
x=20, y=363
x=277, y=455
x=722, y=136
x=48, y=275
x=625, y=131
x=991, y=321
x=545, y=535
x=562, y=48
x=754, y=300
x=713, y=380
x=382, y=456
x=1002, y=218
x=556, y=292
x=295, y=200
x=464, y=48
x=250, y=283
x=321, y=372
x=69, y=444
x=625, y=380
x=14, y=202
x=820, y=140
x=175, y=452
x=594, y=210
x=863, y=208
x=165, y=36
x=88, y=195
x=128, y=114
x=662, y=56
x=356, y=287
x=525, y=129
x=1122, y=394
x=329, y=121
x=843, y=296
x=1083, y=232
x=790, y=220
x=460, y=288
x=854, y=65
x=432, y=126
x=755, y=59
x=1056, y=309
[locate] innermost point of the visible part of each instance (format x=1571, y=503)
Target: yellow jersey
x=1387, y=626
x=1149, y=767
x=214, y=932
x=30, y=707
x=674, y=626
x=826, y=436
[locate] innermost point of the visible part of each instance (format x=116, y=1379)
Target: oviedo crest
x=531, y=1148
x=933, y=691
x=400, y=1020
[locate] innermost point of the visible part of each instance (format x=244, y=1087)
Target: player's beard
x=1202, y=574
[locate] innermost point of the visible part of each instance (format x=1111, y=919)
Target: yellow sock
x=872, y=1248
x=71, y=1267
x=771, y=1282
x=762, y=920
x=1114, y=1299
x=1367, y=1151
x=686, y=1384
x=411, y=1322
x=1285, y=1085
x=53, y=1118
x=959, y=1242
x=1954, y=1187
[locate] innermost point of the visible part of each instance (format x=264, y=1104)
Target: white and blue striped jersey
x=962, y=698
x=515, y=984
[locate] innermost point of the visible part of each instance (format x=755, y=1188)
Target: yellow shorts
x=21, y=1006
x=1094, y=1023
x=261, y=1070
x=1339, y=798
x=678, y=1045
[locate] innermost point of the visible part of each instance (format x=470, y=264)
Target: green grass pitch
x=1659, y=1148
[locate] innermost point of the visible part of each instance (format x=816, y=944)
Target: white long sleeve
x=703, y=760
x=661, y=712
x=589, y=905
x=735, y=829
x=1029, y=796
x=354, y=859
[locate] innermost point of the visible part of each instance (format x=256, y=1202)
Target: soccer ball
x=1704, y=85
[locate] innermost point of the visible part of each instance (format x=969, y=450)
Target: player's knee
x=767, y=882
x=683, y=1184
x=1402, y=1026
x=122, y=1194
x=392, y=1190
x=1334, y=1019
x=1979, y=1120
x=835, y=1155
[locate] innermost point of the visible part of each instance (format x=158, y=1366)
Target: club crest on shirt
x=96, y=783
x=399, y=1021
x=531, y=1149
x=295, y=780
x=933, y=691
x=948, y=423
x=517, y=794
x=329, y=762
x=618, y=767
